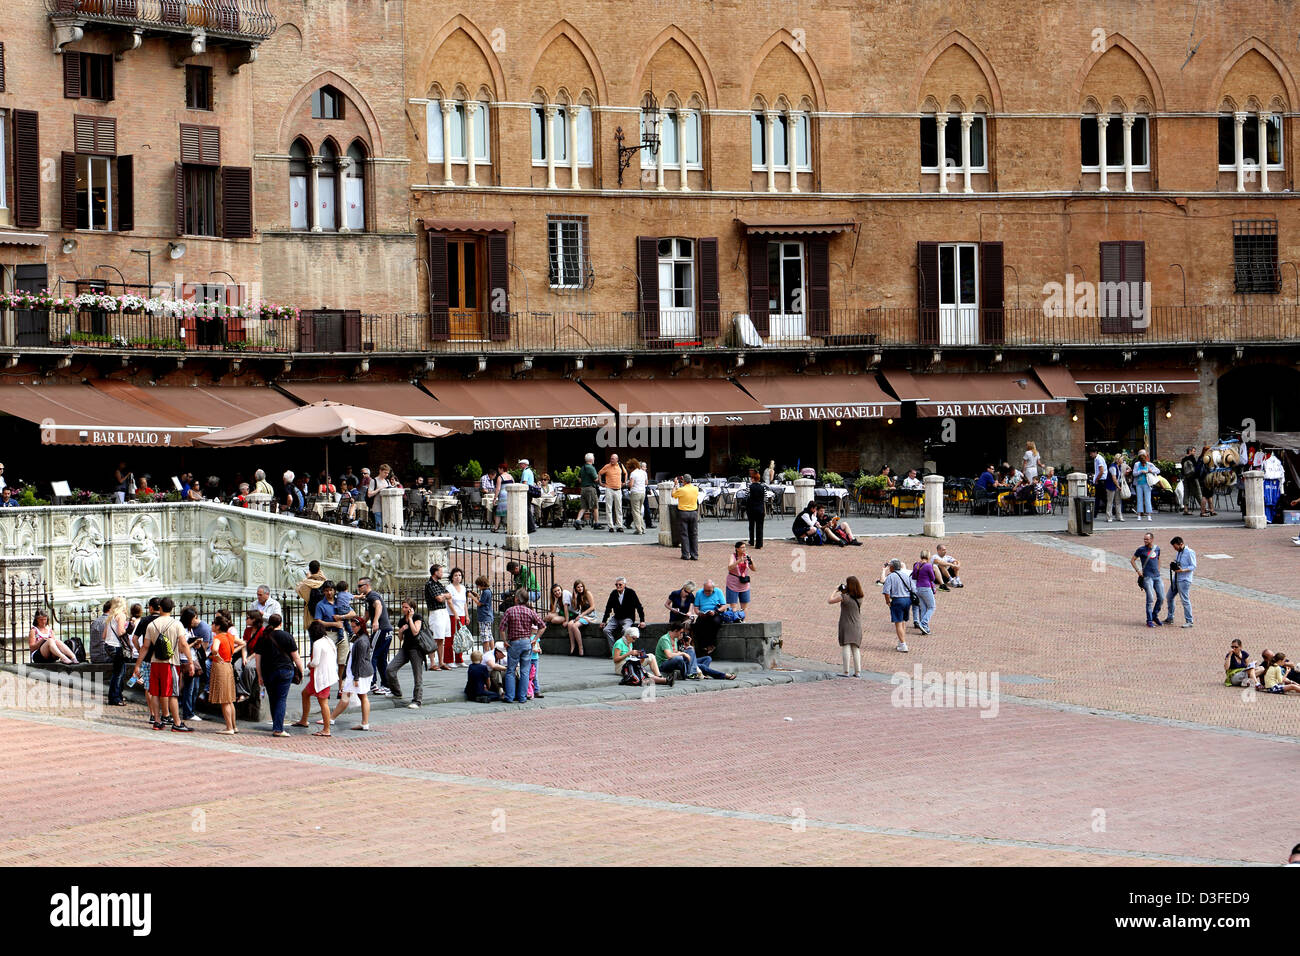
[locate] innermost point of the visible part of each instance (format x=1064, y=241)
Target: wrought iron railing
x=233, y=18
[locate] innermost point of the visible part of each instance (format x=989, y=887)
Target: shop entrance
x=1264, y=394
x=1122, y=424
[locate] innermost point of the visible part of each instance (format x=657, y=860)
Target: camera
x=842, y=588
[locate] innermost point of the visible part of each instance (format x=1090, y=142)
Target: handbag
x=426, y=641
x=1125, y=492
x=463, y=641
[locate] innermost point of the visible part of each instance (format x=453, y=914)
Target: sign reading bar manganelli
x=801, y=413
x=988, y=409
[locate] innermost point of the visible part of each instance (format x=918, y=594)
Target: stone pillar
x=517, y=505
x=665, y=515
x=933, y=506
x=1254, y=485
x=941, y=131
x=342, y=164
x=1128, y=152
x=21, y=577
x=791, y=141
x=661, y=118
x=769, y=141
x=471, y=107
x=1239, y=149
x=966, y=120
x=1263, y=152
x=448, y=108
x=803, y=493
x=391, y=510
x=258, y=501
x=548, y=134
x=572, y=115
x=1077, y=484
x=1103, y=120
x=315, y=193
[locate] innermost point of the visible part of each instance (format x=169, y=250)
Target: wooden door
x=465, y=288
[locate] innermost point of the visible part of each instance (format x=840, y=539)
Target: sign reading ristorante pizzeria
x=987, y=409
x=800, y=413
x=523, y=424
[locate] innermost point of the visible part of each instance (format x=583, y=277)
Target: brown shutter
x=710, y=324
x=2, y=67
x=200, y=144
x=1134, y=254
x=498, y=269
x=307, y=330
x=1112, y=271
x=758, y=288
x=68, y=191
x=352, y=331
x=439, y=318
x=27, y=169
x=927, y=292
x=71, y=75
x=95, y=134
x=237, y=202
x=819, y=287
x=106, y=135
x=125, y=193
x=105, y=65
x=647, y=273
x=180, y=199
x=992, y=294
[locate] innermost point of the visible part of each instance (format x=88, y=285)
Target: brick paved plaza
x=1111, y=743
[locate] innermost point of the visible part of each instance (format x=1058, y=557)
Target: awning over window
x=1138, y=382
x=532, y=405
x=796, y=227
x=22, y=238
x=396, y=398
x=976, y=395
x=467, y=225
x=657, y=403
x=819, y=397
x=82, y=415
x=1059, y=382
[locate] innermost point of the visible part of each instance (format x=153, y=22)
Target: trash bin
x=674, y=524
x=1084, y=512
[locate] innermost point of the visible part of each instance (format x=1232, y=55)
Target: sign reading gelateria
x=799, y=413
x=1137, y=382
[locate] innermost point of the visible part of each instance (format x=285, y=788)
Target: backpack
x=163, y=646
x=78, y=649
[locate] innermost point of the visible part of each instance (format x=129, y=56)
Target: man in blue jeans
x=1148, y=573
x=376, y=622
x=519, y=623
x=1181, y=570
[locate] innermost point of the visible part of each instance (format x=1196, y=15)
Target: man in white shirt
x=636, y=483
x=912, y=483
x=267, y=604
x=1098, y=481
x=949, y=568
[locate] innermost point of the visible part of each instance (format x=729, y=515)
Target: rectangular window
x=201, y=200
x=584, y=135
x=677, y=281
x=539, y=136
x=566, y=250
x=560, y=125
x=802, y=141
x=1090, y=148
x=668, y=139
x=1254, y=255
x=433, y=131
x=1249, y=141
x=87, y=75
x=785, y=278
x=758, y=141
x=691, y=153
x=948, y=153
x=95, y=192
x=198, y=87
x=481, y=134
x=781, y=141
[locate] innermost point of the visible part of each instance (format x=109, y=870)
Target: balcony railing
x=579, y=333
x=243, y=19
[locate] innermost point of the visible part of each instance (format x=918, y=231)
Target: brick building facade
x=1062, y=225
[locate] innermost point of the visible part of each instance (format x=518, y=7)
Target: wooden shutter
x=498, y=269
x=307, y=330
x=351, y=331
x=992, y=294
x=2, y=67
x=927, y=293
x=104, y=63
x=237, y=202
x=1123, y=271
x=71, y=75
x=819, y=287
x=68, y=191
x=710, y=324
x=27, y=169
x=439, y=318
x=647, y=273
x=758, y=289
x=179, y=187
x=96, y=135
x=125, y=193
x=201, y=144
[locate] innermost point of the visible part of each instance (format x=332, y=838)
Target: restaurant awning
x=657, y=402
x=1059, y=382
x=396, y=398
x=975, y=395
x=208, y=407
x=1149, y=381
x=83, y=415
x=818, y=397
x=795, y=227
x=467, y=225
x=515, y=406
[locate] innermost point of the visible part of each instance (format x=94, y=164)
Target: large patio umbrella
x=322, y=420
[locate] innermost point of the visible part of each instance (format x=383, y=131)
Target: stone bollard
x=258, y=501
x=392, y=510
x=665, y=513
x=803, y=493
x=1254, y=487
x=517, y=505
x=933, y=527
x=1076, y=484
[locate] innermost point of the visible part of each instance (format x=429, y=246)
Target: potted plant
x=788, y=475
x=744, y=464
x=832, y=479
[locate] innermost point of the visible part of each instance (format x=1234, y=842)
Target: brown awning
x=532, y=405
x=817, y=397
x=206, y=407
x=467, y=225
x=674, y=403
x=82, y=415
x=980, y=394
x=1059, y=382
x=1150, y=381
x=396, y=398
x=22, y=238
x=902, y=383
x=796, y=227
